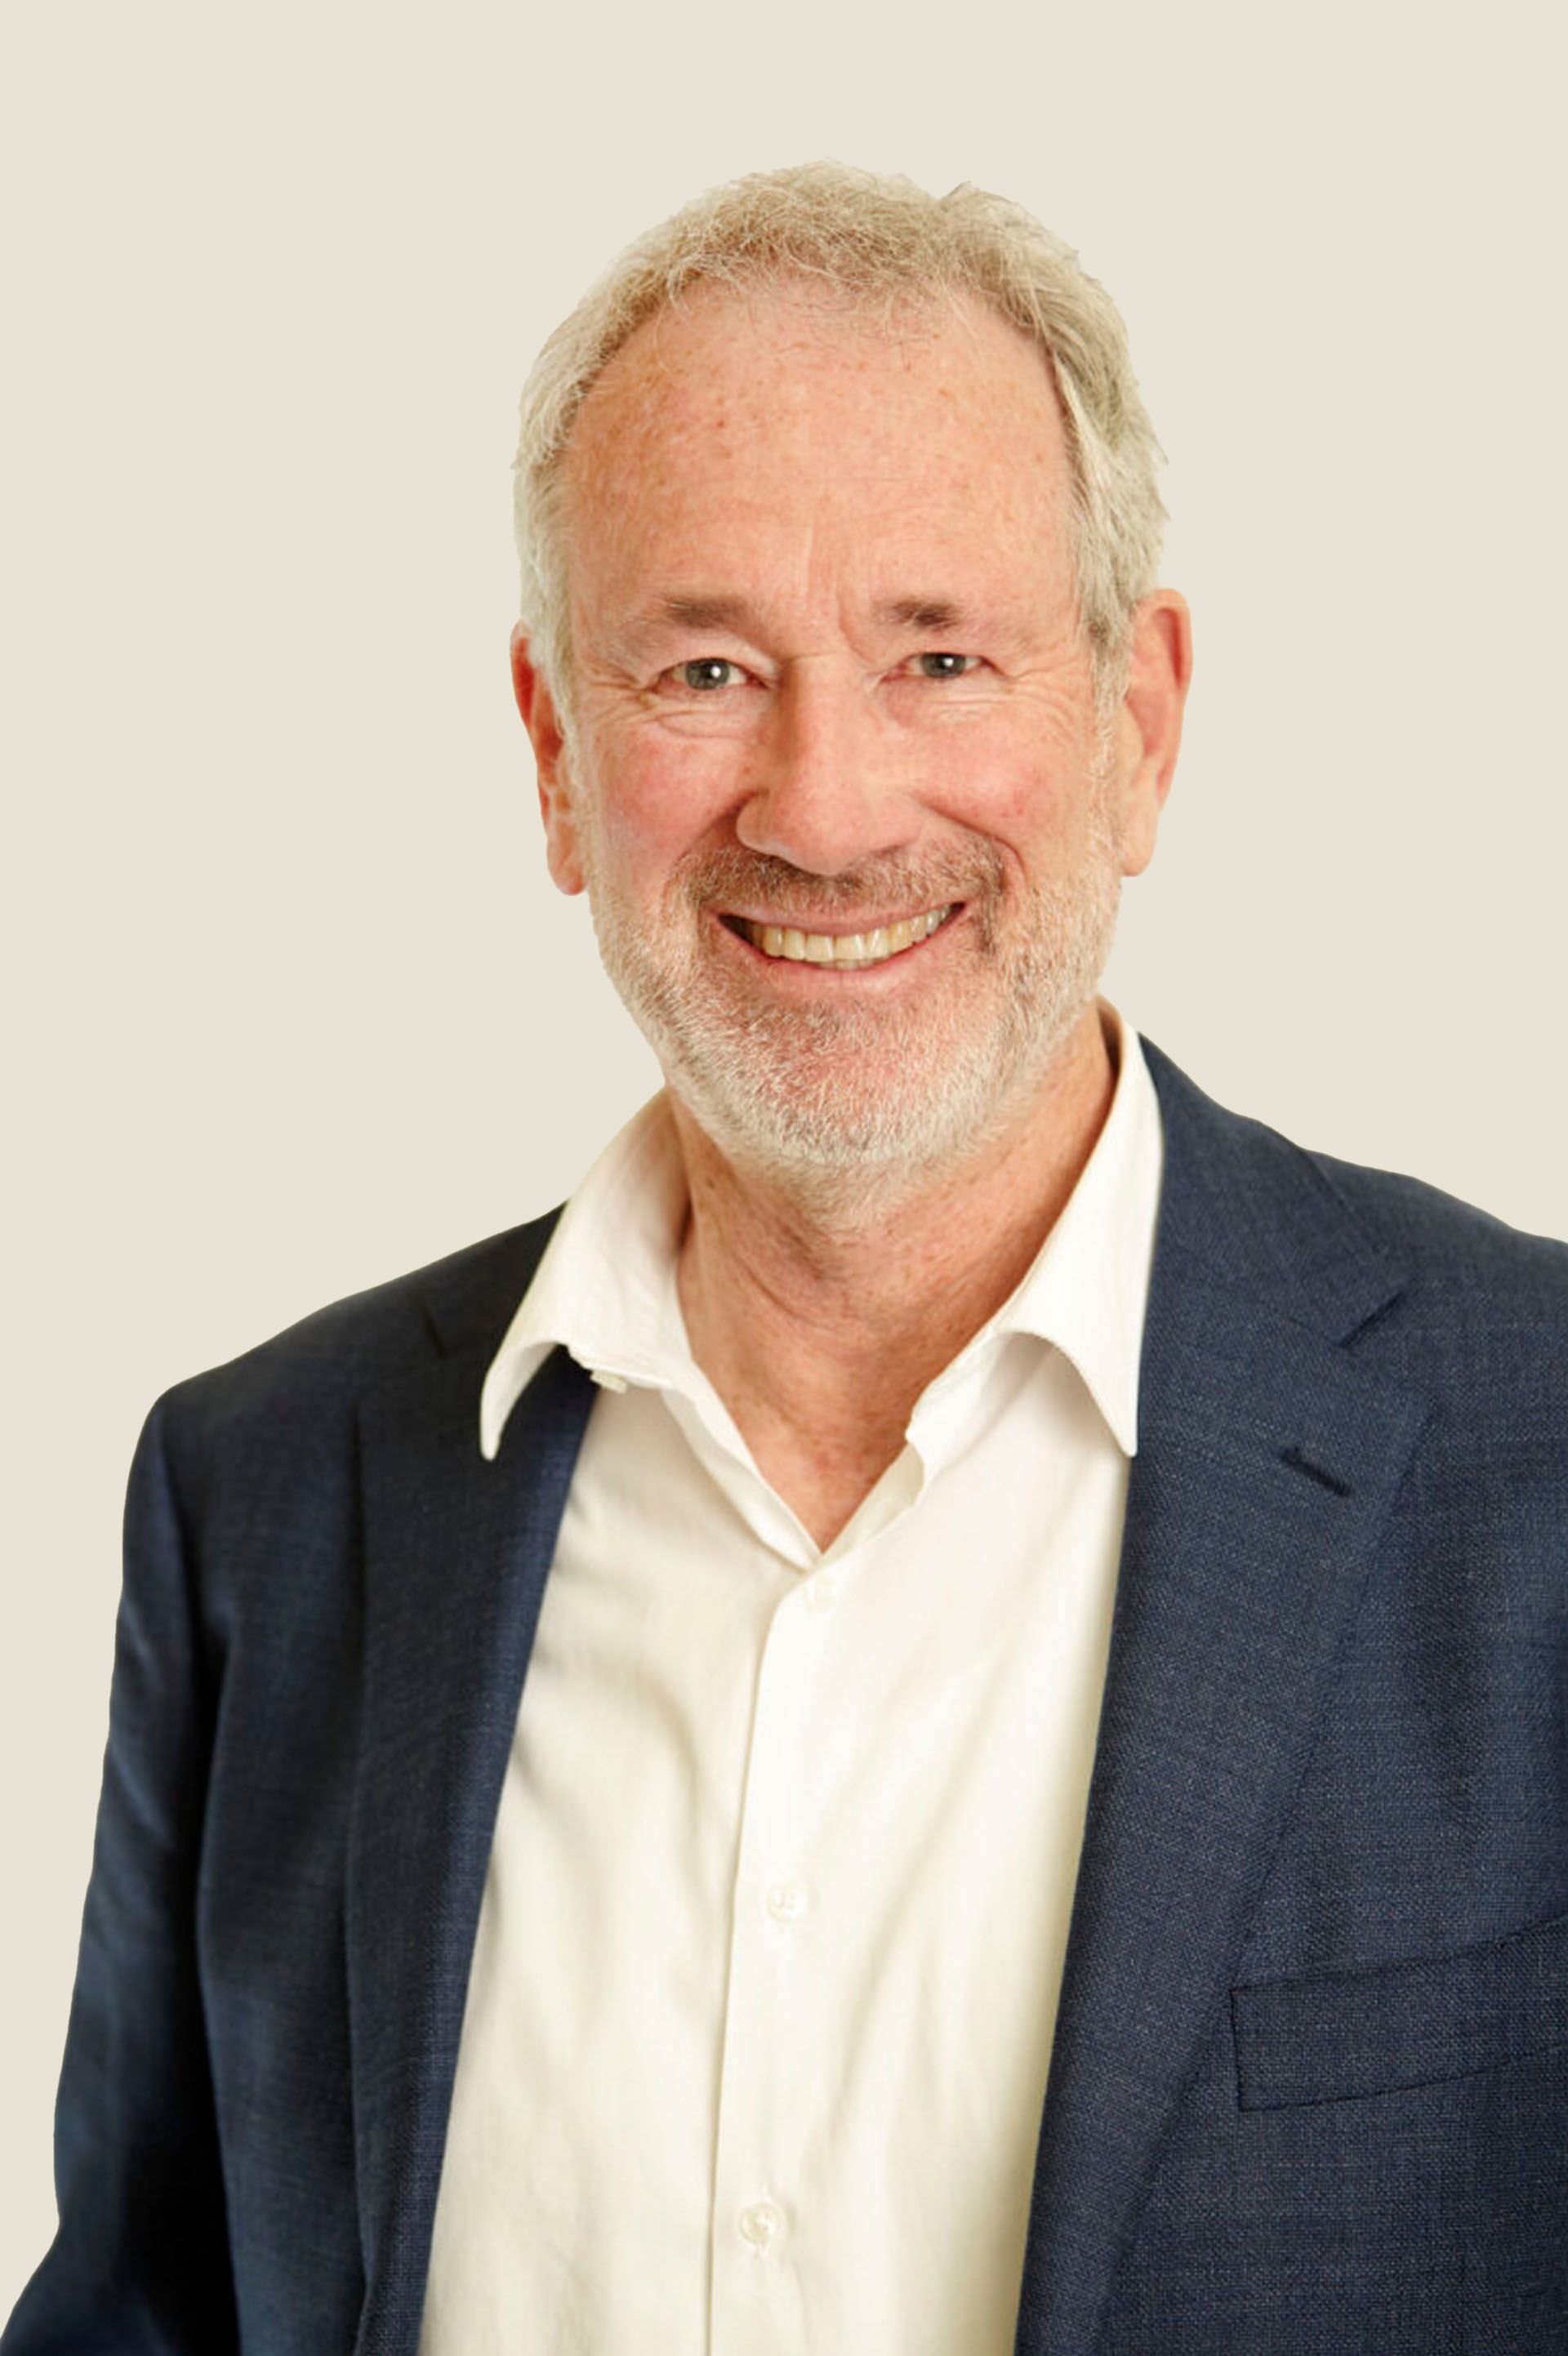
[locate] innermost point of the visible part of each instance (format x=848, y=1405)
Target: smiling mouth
x=850, y=951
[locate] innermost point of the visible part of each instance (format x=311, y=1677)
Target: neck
x=820, y=1322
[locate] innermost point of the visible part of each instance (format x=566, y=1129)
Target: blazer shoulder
x=1460, y=1259
x=315, y=1368
x=1250, y=1199
x=1432, y=1290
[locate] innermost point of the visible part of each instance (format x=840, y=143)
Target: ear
x=1159, y=672
x=541, y=719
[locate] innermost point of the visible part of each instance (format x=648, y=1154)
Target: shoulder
x=1480, y=1328
x=1428, y=1286
x=308, y=1378
x=1461, y=1260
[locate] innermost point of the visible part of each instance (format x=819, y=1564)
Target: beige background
x=293, y=1007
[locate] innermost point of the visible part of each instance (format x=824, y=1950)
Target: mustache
x=735, y=876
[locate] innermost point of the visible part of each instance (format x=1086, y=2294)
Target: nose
x=827, y=789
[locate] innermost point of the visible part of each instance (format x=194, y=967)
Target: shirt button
x=819, y=1592
x=786, y=1900
x=759, y=2224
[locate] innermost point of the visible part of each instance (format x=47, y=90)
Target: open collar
x=604, y=1289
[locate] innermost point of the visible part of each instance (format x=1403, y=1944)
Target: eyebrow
x=925, y=614
x=708, y=613
x=722, y=612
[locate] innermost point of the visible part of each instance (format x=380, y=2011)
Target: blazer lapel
x=456, y=1554
x=1267, y=1461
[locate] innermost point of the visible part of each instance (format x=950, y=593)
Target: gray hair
x=875, y=240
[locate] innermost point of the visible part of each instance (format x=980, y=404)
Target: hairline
x=876, y=249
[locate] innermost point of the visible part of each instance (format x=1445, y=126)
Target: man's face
x=829, y=696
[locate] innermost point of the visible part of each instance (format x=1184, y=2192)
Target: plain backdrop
x=292, y=1005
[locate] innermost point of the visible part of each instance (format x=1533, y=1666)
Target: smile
x=849, y=950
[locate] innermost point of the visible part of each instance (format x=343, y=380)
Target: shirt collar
x=1087, y=1289
x=606, y=1286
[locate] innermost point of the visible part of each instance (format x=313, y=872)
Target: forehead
x=801, y=429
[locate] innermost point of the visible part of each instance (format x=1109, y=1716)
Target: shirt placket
x=763, y=2220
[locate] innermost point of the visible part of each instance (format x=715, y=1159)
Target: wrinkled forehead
x=795, y=394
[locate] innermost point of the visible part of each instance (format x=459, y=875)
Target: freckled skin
x=820, y=464
x=861, y=496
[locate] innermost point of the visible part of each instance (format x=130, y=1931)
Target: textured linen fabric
x=1324, y=1859
x=803, y=1823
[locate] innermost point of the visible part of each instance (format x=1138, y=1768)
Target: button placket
x=756, y=2123
x=786, y=1901
x=760, y=2224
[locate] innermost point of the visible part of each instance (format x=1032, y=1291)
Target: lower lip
x=802, y=974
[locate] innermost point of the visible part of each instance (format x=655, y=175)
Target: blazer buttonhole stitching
x=1319, y=1472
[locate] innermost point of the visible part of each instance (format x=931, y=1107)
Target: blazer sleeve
x=140, y=2266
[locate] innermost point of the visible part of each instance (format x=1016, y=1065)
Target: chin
x=823, y=1132
x=851, y=1104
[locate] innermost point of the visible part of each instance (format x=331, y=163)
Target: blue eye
x=708, y=672
x=944, y=666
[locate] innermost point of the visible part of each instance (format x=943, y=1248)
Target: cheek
x=1041, y=795
x=1025, y=807
x=656, y=800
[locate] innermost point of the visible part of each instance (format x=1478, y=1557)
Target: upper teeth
x=842, y=949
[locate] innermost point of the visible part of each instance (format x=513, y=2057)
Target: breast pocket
x=1341, y=2034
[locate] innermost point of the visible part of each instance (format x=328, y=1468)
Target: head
x=838, y=525
x=882, y=245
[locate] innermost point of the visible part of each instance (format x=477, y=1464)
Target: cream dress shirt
x=762, y=1997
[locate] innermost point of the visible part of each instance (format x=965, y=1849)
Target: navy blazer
x=1309, y=2089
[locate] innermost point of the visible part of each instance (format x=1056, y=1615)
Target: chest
x=804, y=1834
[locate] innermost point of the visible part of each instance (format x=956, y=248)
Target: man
x=934, y=1723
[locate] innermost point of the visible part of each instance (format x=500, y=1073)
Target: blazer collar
x=1268, y=1462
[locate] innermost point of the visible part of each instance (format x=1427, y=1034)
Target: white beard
x=849, y=1099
